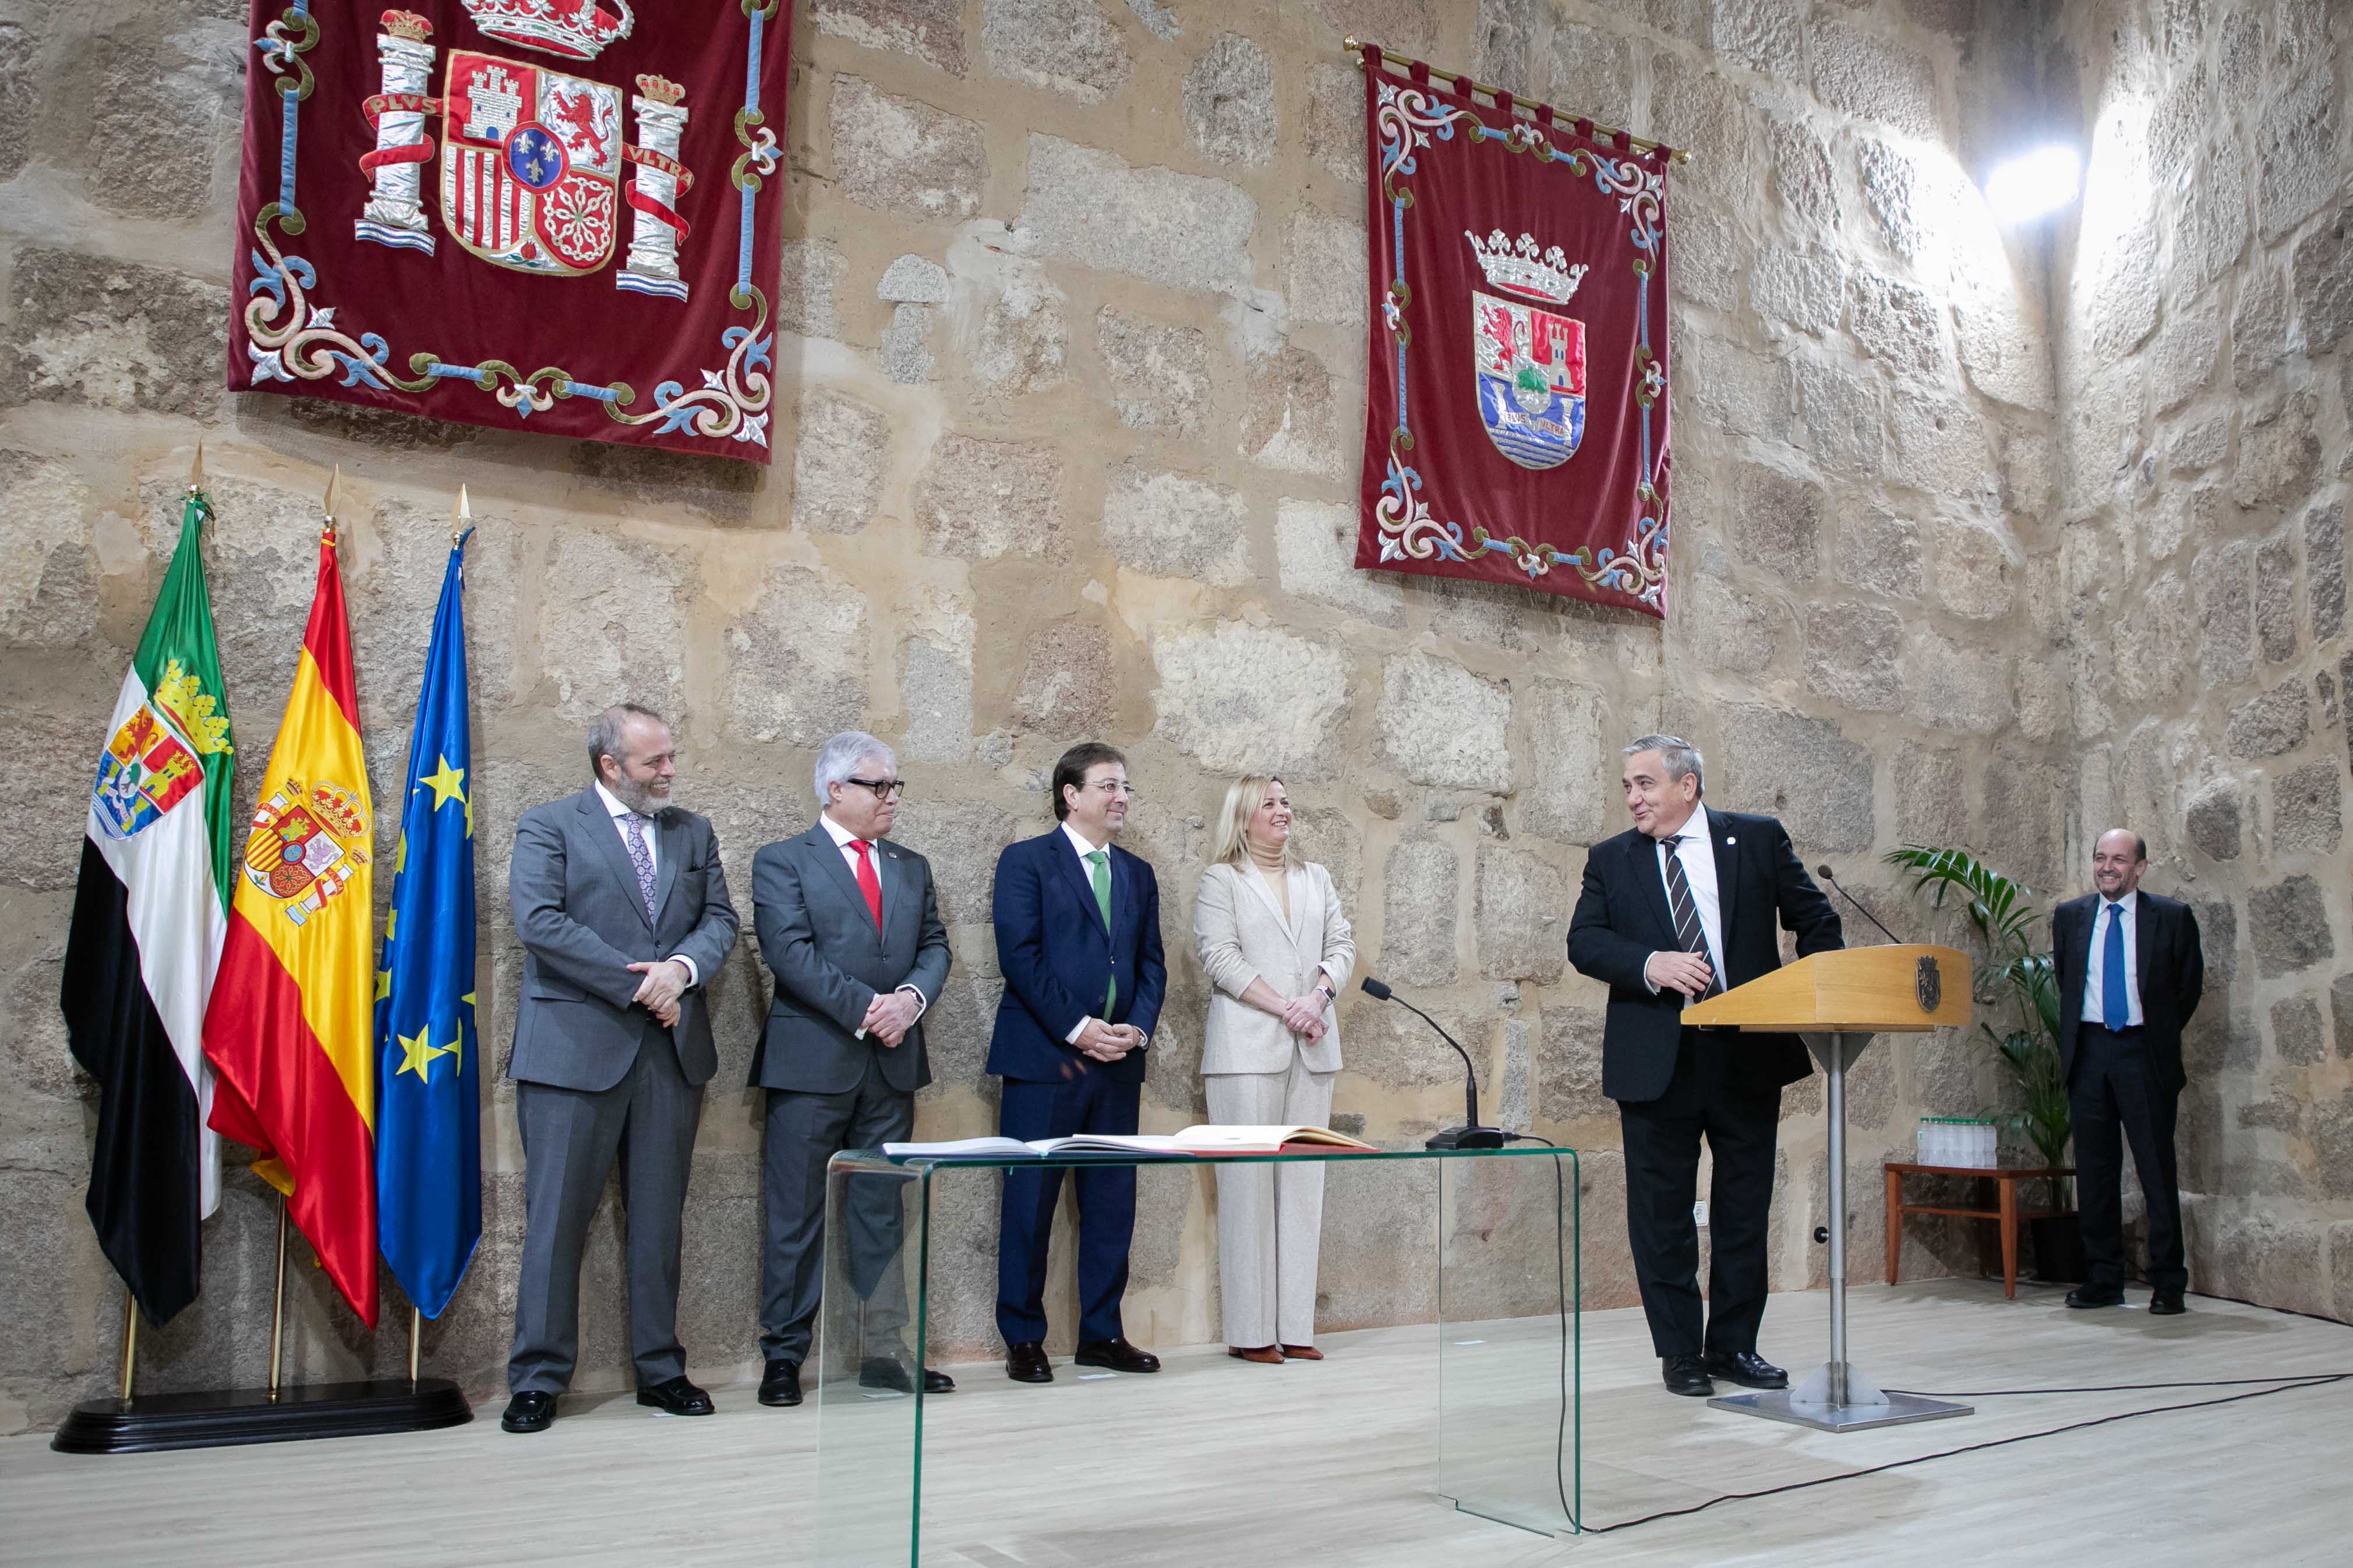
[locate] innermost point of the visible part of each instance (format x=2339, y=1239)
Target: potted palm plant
x=2016, y=970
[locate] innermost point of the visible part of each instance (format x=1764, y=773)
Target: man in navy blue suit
x=1077, y=941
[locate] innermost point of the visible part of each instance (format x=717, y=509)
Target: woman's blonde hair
x=1243, y=798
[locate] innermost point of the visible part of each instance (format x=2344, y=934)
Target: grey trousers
x=571, y=1139
x=804, y=1131
x=1270, y=1216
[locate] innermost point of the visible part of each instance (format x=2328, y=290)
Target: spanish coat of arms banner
x=1515, y=421
x=536, y=214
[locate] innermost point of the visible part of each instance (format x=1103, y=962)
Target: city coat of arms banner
x=536, y=214
x=1515, y=421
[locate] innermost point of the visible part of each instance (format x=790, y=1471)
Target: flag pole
x=278, y=1303
x=130, y=1339
x=462, y=520
x=196, y=468
x=415, y=1338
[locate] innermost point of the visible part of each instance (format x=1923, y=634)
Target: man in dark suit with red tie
x=2130, y=974
x=1682, y=908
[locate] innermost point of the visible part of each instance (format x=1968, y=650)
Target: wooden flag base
x=225, y=1419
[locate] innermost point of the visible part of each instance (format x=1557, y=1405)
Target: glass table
x=1479, y=1243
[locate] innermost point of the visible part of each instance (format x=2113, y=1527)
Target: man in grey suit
x=623, y=913
x=851, y=930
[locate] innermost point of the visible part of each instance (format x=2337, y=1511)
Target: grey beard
x=640, y=799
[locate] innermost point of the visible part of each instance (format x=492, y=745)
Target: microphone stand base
x=1466, y=1137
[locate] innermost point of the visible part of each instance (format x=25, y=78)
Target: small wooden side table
x=2006, y=1212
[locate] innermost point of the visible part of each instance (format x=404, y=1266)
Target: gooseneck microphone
x=1827, y=875
x=1469, y=1135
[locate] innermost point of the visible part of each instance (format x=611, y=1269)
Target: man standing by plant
x=2130, y=974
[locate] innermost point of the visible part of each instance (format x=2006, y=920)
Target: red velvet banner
x=1516, y=418
x=533, y=215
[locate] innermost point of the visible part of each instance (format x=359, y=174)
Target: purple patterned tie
x=633, y=833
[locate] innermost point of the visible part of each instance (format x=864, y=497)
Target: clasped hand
x=889, y=1015
x=1685, y=972
x=664, y=983
x=1304, y=1015
x=1109, y=1042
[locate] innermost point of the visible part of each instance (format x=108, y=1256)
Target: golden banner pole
x=277, y=1304
x=130, y=1339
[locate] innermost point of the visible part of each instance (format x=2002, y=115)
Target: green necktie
x=1100, y=861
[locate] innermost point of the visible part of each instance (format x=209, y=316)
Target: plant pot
x=2058, y=1250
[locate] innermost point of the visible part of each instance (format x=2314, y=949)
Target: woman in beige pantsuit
x=1269, y=933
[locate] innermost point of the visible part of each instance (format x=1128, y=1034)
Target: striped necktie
x=1686, y=913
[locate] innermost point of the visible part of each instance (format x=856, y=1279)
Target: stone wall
x=1073, y=322
x=2205, y=351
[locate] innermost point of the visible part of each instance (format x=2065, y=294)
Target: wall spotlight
x=2035, y=182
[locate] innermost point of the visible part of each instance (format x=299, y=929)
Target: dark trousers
x=1706, y=1097
x=571, y=1139
x=1106, y=1194
x=2114, y=1098
x=805, y=1130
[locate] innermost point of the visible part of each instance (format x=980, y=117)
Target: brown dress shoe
x=1265, y=1355
x=1302, y=1353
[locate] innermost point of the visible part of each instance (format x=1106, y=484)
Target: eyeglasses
x=1117, y=787
x=884, y=789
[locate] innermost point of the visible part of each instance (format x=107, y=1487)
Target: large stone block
x=1590, y=71
x=48, y=572
x=1171, y=525
x=2189, y=348
x=2287, y=923
x=1068, y=683
x=811, y=274
x=837, y=462
x=617, y=633
x=1418, y=905
x=798, y=659
x=935, y=696
x=1335, y=119
x=1711, y=257
x=1801, y=174
x=1763, y=36
x=2124, y=292
x=1015, y=335
x=1776, y=522
x=1567, y=793
x=1941, y=448
x=1291, y=415
x=1323, y=265
x=1880, y=553
x=2153, y=645
x=2323, y=565
x=905, y=353
x=1692, y=106
x=114, y=335
x=156, y=118
x=1569, y=1066
x=2322, y=269
x=2002, y=350
x=2210, y=225
x=1315, y=550
x=1730, y=387
x=1802, y=290
x=2275, y=618
x=1067, y=46
x=1900, y=326
x=2296, y=1033
x=1851, y=653
x=2307, y=810
x=1800, y=769
x=2279, y=454
x=981, y=500
x=1240, y=699
x=1931, y=797
x=1438, y=723
x=1868, y=76
x=1730, y=629
x=2258, y=328
x=1159, y=372
x=2271, y=723
x=962, y=839
x=930, y=30
x=2226, y=615
x=1228, y=98
x=2297, y=169
x=1977, y=572
x=900, y=156
x=1180, y=231
x=2213, y=821
x=1521, y=916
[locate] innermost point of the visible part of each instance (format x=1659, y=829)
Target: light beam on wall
x=2035, y=182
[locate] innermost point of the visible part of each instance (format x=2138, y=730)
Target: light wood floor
x=1216, y=1462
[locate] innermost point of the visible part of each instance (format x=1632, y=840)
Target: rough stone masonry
x=1982, y=538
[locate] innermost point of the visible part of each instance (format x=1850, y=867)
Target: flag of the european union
x=428, y=1125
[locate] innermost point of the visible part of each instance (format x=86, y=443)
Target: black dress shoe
x=677, y=1396
x=1745, y=1368
x=1116, y=1354
x=1026, y=1362
x=780, y=1383
x=937, y=1382
x=2166, y=1304
x=530, y=1411
x=1686, y=1376
x=2095, y=1296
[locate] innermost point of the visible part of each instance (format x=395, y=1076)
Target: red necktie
x=868, y=883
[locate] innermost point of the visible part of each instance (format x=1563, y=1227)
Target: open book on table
x=1217, y=1139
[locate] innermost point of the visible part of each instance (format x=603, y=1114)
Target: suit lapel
x=821, y=846
x=2144, y=942
x=1650, y=876
x=670, y=833
x=605, y=832
x=1067, y=855
x=898, y=886
x=1728, y=881
x=1250, y=874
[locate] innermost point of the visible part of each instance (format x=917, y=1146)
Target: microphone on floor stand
x=1827, y=875
x=1469, y=1135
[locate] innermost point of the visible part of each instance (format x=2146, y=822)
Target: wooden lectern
x=1837, y=1001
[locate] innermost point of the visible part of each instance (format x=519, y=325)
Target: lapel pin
x=1730, y=842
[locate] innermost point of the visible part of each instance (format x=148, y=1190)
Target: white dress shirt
x=1086, y=868
x=2096, y=972
x=843, y=838
x=652, y=838
x=1696, y=850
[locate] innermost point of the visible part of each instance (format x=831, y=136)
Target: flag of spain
x=289, y=1029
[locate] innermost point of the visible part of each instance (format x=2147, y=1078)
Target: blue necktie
x=2115, y=1006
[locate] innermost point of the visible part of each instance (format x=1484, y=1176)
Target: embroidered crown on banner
x=1518, y=267
x=575, y=29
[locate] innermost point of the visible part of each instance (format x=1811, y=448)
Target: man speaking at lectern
x=1680, y=909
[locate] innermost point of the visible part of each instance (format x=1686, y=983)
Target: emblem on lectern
x=1928, y=984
